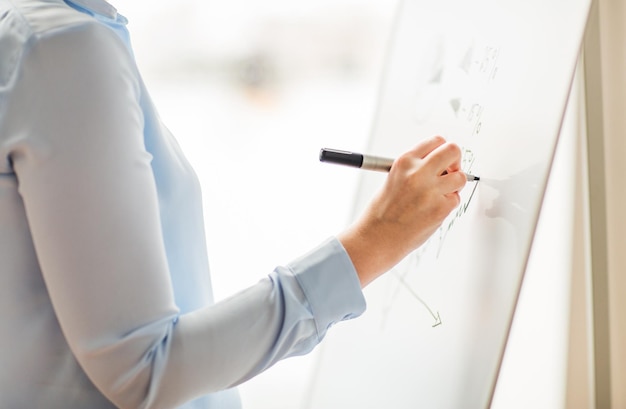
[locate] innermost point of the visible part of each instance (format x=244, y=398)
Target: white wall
x=613, y=37
x=610, y=97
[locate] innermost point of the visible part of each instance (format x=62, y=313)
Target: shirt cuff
x=330, y=283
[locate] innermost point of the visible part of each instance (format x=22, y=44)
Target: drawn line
x=460, y=212
x=400, y=274
x=418, y=298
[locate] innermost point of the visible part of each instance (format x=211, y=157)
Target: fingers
x=444, y=158
x=425, y=147
x=452, y=182
x=454, y=199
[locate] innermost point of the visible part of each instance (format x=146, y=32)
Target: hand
x=420, y=191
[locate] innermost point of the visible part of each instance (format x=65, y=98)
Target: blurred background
x=252, y=90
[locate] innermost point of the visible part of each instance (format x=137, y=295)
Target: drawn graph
x=451, y=88
x=454, y=81
x=433, y=245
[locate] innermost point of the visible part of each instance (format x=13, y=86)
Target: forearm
x=371, y=252
x=286, y=314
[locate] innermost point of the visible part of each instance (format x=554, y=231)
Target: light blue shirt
x=105, y=295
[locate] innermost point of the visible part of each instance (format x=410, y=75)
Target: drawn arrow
x=437, y=321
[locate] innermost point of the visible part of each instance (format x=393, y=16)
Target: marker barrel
x=358, y=160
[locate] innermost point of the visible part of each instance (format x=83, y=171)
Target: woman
x=106, y=296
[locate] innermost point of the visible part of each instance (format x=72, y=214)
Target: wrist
x=371, y=251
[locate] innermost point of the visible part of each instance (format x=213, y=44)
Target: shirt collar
x=96, y=7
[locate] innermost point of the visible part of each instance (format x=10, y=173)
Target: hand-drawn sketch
x=456, y=80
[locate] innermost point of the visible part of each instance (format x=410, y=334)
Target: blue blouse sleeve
x=74, y=137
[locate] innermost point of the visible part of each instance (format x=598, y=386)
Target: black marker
x=369, y=162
